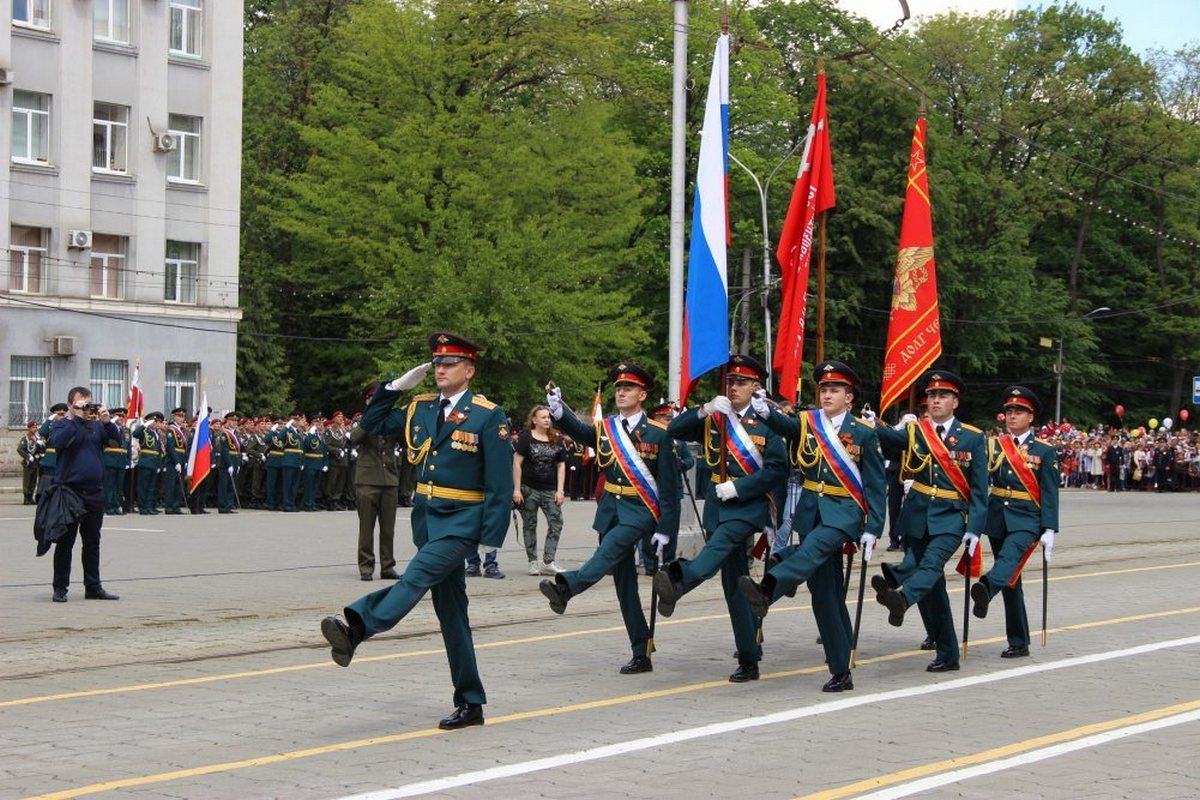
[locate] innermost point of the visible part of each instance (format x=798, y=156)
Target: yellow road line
x=258, y=673
x=996, y=753
x=589, y=705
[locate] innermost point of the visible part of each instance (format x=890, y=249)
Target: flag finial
x=921, y=107
x=820, y=65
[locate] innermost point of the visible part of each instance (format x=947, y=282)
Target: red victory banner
x=914, y=329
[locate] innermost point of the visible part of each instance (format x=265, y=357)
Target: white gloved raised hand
x=971, y=540
x=867, y=541
x=868, y=416
x=905, y=421
x=659, y=540
x=718, y=405
x=312, y=429
x=726, y=491
x=554, y=402
x=758, y=401
x=179, y=468
x=275, y=427
x=411, y=378
x=1048, y=544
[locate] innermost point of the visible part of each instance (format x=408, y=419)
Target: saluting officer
x=1022, y=510
x=316, y=463
x=736, y=502
x=337, y=445
x=151, y=454
x=464, y=493
x=641, y=496
x=843, y=499
x=292, y=460
x=116, y=461
x=273, y=441
x=947, y=504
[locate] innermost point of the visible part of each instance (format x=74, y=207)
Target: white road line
x=1032, y=757
x=16, y=519
x=717, y=729
x=136, y=530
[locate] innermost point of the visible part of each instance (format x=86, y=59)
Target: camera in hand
x=91, y=409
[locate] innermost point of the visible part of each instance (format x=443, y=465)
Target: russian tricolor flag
x=200, y=456
x=706, y=305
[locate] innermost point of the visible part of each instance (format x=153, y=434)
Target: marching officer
x=641, y=496
x=116, y=462
x=316, y=463
x=152, y=454
x=736, y=502
x=843, y=500
x=947, y=504
x=460, y=440
x=228, y=452
x=1022, y=510
x=29, y=450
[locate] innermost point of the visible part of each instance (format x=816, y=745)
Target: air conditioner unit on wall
x=6, y=76
x=65, y=345
x=79, y=240
x=165, y=142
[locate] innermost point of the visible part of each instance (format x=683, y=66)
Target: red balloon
x=1184, y=414
x=1120, y=409
x=999, y=418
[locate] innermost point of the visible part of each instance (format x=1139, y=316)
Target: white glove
x=659, y=540
x=1048, y=544
x=718, y=405
x=758, y=401
x=868, y=541
x=312, y=429
x=905, y=421
x=179, y=468
x=726, y=491
x=245, y=457
x=908, y=485
x=354, y=453
x=230, y=471
x=554, y=401
x=411, y=378
x=275, y=427
x=971, y=540
x=325, y=469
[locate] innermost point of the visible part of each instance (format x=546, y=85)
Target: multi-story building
x=120, y=169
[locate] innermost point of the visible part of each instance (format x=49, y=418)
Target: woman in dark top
x=539, y=475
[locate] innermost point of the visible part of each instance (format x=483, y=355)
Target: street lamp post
x=1058, y=367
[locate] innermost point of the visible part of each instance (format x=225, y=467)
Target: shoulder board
x=971, y=428
x=480, y=400
x=656, y=423
x=423, y=397
x=1042, y=441
x=862, y=421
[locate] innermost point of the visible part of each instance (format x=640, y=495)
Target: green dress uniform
x=176, y=443
x=623, y=518
x=729, y=524
x=337, y=445
x=290, y=462
x=49, y=462
x=827, y=517
x=934, y=517
x=273, y=445
x=151, y=455
x=116, y=462
x=228, y=451
x=464, y=493
x=1016, y=519
x=316, y=460
x=683, y=455
x=29, y=450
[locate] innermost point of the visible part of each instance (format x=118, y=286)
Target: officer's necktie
x=941, y=431
x=625, y=425
x=442, y=413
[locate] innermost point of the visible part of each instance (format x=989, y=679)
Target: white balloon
x=1167, y=423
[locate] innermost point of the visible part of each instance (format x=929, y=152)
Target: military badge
x=503, y=430
x=456, y=417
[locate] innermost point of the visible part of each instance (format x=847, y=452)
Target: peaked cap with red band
x=746, y=367
x=1021, y=397
x=450, y=349
x=941, y=379
x=835, y=372
x=629, y=372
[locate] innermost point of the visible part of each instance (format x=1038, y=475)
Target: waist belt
x=623, y=491
x=826, y=488
x=935, y=492
x=114, y=449
x=293, y=450
x=446, y=493
x=1011, y=494
x=307, y=455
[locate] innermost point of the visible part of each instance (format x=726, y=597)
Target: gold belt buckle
x=427, y=489
x=821, y=487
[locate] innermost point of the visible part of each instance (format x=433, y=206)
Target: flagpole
x=821, y=264
x=678, y=167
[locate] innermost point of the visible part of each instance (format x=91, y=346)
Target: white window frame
x=175, y=386
x=112, y=270
x=190, y=14
x=110, y=7
x=107, y=389
x=38, y=13
x=179, y=285
x=19, y=409
x=110, y=130
x=26, y=118
x=188, y=142
x=24, y=250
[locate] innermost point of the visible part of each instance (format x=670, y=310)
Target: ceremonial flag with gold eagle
x=812, y=194
x=914, y=329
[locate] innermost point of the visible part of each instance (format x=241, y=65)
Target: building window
x=183, y=266
x=27, y=390
x=186, y=25
x=183, y=163
x=110, y=138
x=179, y=389
x=31, y=127
x=107, y=269
x=32, y=12
x=110, y=20
x=26, y=254
x=108, y=382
